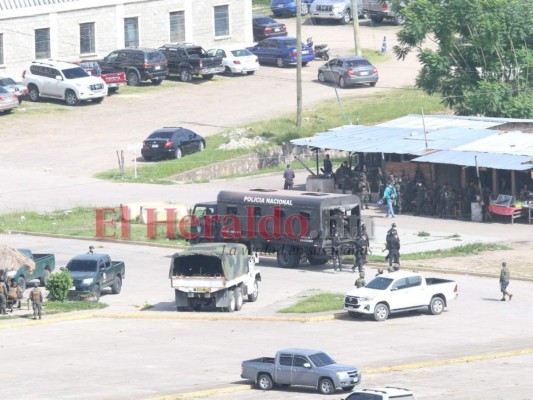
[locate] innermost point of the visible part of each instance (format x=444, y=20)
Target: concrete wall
x=18, y=27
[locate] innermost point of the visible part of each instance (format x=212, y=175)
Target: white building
x=73, y=29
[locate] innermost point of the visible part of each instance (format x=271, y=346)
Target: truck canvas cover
x=229, y=260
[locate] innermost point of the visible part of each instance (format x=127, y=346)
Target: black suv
x=188, y=60
x=138, y=64
x=171, y=142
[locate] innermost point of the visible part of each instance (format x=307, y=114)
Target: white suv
x=61, y=80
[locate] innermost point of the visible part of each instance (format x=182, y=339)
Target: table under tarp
x=513, y=212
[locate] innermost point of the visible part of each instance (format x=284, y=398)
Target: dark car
x=281, y=51
x=348, y=71
x=288, y=7
x=139, y=65
x=171, y=142
x=265, y=27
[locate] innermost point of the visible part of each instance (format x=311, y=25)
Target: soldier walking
x=393, y=246
x=3, y=296
x=360, y=282
x=36, y=296
x=505, y=276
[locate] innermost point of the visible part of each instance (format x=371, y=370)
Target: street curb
x=48, y=321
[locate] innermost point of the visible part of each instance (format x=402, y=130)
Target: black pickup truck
x=188, y=60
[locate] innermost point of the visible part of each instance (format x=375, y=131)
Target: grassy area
x=316, y=303
x=77, y=222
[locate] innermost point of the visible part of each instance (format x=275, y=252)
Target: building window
x=131, y=32
x=42, y=43
x=177, y=26
x=222, y=20
x=1, y=48
x=87, y=38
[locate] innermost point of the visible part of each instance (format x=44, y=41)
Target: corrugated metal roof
x=378, y=139
x=437, y=122
x=487, y=160
x=18, y=4
x=515, y=142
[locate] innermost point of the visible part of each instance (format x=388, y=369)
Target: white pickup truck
x=400, y=291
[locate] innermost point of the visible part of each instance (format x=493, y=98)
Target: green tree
x=58, y=285
x=483, y=59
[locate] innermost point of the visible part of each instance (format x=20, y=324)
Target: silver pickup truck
x=301, y=367
x=378, y=10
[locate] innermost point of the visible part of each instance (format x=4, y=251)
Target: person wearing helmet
x=3, y=296
x=36, y=297
x=360, y=282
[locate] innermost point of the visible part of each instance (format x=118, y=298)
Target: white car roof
x=55, y=64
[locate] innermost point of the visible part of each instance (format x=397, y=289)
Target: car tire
x=228, y=71
x=44, y=278
x=342, y=82
x=95, y=294
x=381, y=312
x=133, y=79
x=264, y=382
x=398, y=20
x=346, y=17
x=146, y=158
x=186, y=75
x=178, y=154
x=436, y=306
x=376, y=19
x=22, y=283
x=117, y=285
x=71, y=99
x=252, y=297
x=250, y=72
x=208, y=77
x=112, y=90
x=239, y=300
x=157, y=81
x=33, y=93
x=321, y=77
x=98, y=100
x=279, y=62
x=326, y=386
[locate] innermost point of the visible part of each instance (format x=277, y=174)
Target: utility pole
x=355, y=19
x=299, y=63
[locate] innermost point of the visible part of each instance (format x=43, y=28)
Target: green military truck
x=218, y=274
x=44, y=265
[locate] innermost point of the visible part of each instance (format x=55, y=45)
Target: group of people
x=11, y=296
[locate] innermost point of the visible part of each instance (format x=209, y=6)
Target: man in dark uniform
x=289, y=176
x=505, y=276
x=36, y=296
x=393, y=246
x=360, y=254
x=3, y=296
x=328, y=167
x=420, y=197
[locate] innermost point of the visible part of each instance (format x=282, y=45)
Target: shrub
x=58, y=285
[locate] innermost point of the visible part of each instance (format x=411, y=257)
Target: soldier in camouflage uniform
x=505, y=275
x=36, y=296
x=364, y=190
x=3, y=296
x=360, y=282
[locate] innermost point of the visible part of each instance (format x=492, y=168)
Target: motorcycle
x=321, y=50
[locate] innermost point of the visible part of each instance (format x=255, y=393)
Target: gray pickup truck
x=93, y=272
x=301, y=367
x=378, y=10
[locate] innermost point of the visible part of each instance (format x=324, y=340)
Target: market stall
x=506, y=205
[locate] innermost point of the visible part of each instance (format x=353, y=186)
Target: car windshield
x=241, y=53
x=7, y=81
x=357, y=63
x=379, y=283
x=75, y=73
x=265, y=21
x=82, y=266
x=321, y=359
x=160, y=135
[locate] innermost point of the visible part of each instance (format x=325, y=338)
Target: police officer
x=328, y=167
x=360, y=282
x=393, y=246
x=360, y=254
x=3, y=296
x=36, y=296
x=505, y=276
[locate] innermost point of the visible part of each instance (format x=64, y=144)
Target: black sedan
x=348, y=71
x=171, y=143
x=266, y=27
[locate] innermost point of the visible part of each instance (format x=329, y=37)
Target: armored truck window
x=285, y=359
x=231, y=210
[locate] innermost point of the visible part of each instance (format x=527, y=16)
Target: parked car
x=382, y=393
x=44, y=265
x=282, y=8
x=348, y=71
x=281, y=51
x=265, y=27
x=8, y=100
x=64, y=81
x=378, y=10
x=19, y=90
x=236, y=60
x=138, y=64
x=113, y=80
x=334, y=10
x=188, y=60
x=171, y=142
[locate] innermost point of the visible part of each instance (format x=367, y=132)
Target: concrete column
x=495, y=187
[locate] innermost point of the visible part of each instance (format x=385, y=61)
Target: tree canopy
x=482, y=58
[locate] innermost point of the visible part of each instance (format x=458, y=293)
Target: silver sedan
x=348, y=71
x=8, y=100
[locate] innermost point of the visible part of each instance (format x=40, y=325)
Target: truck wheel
x=44, y=278
x=436, y=306
x=346, y=17
x=381, y=312
x=304, y=9
x=286, y=258
x=279, y=62
x=186, y=75
x=348, y=388
x=95, y=294
x=22, y=283
x=398, y=20
x=264, y=382
x=33, y=93
x=231, y=303
x=133, y=79
x=238, y=299
x=117, y=285
x=326, y=386
x=253, y=296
